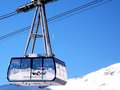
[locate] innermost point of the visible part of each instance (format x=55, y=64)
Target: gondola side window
x=25, y=69
x=25, y=64
x=37, y=64
x=49, y=64
x=14, y=70
x=15, y=64
x=61, y=70
x=48, y=69
x=36, y=69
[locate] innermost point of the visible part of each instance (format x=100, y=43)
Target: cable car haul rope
x=54, y=18
x=8, y=15
x=37, y=69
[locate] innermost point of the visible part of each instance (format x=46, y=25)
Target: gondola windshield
x=32, y=69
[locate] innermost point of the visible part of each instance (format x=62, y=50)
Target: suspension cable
x=8, y=15
x=59, y=16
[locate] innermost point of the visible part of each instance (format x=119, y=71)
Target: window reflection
x=37, y=63
x=14, y=69
x=48, y=63
x=15, y=64
x=49, y=68
x=37, y=69
x=25, y=64
x=32, y=69
x=61, y=69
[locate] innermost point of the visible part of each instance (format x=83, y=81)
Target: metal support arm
x=45, y=33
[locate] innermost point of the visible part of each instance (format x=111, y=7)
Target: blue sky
x=87, y=41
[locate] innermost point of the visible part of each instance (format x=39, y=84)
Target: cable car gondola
x=36, y=69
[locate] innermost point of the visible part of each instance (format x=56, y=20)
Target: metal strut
x=45, y=33
x=31, y=31
x=47, y=43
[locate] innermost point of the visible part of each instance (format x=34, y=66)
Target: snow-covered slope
x=104, y=79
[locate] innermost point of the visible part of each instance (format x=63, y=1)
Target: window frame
x=31, y=62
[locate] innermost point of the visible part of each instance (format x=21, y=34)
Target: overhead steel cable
x=14, y=33
x=59, y=16
x=76, y=9
x=8, y=15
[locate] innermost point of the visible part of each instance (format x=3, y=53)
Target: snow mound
x=104, y=79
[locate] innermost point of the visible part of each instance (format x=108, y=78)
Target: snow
x=104, y=79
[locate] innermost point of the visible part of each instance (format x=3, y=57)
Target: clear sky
x=87, y=41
